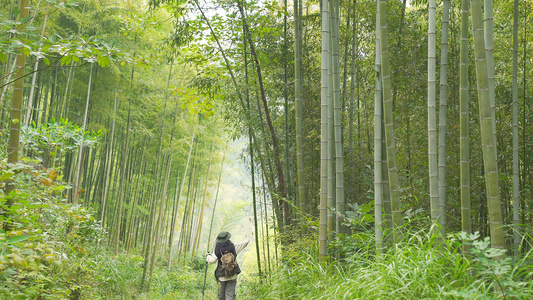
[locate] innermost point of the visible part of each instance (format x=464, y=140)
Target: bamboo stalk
x=464, y=143
x=323, y=229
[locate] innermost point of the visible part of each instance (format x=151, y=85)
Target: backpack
x=229, y=266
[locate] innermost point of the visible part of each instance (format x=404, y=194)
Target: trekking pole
x=205, y=278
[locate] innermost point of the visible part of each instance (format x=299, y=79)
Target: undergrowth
x=56, y=250
x=422, y=267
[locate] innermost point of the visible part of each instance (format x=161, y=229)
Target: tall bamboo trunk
x=267, y=226
x=177, y=201
x=345, y=58
x=250, y=142
x=488, y=138
x=80, y=150
x=352, y=80
x=160, y=217
x=216, y=199
x=464, y=143
x=524, y=109
x=193, y=209
x=516, y=168
x=263, y=223
x=16, y=112
x=266, y=164
x=184, y=219
x=109, y=162
x=141, y=178
x=53, y=96
x=339, y=149
x=394, y=185
x=387, y=205
x=443, y=112
x=489, y=49
x=299, y=111
x=32, y=89
x=160, y=153
x=200, y=222
x=378, y=118
x=6, y=85
x=330, y=136
x=275, y=144
x=62, y=108
x=241, y=99
x=123, y=167
x=323, y=229
x=286, y=97
x=136, y=169
x=432, y=113
x=46, y=99
x=149, y=233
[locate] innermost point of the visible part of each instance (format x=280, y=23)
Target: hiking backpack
x=229, y=266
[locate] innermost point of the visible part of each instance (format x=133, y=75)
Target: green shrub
x=419, y=268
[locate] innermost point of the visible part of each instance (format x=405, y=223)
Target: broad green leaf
x=17, y=239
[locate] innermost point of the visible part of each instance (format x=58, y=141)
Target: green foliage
x=360, y=236
x=47, y=236
x=507, y=278
x=417, y=269
x=55, y=48
x=359, y=216
x=182, y=282
x=62, y=134
x=47, y=139
x=56, y=250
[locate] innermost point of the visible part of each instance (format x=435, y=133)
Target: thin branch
x=43, y=68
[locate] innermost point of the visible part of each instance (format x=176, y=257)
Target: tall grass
x=422, y=267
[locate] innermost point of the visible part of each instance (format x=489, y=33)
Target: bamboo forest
x=353, y=149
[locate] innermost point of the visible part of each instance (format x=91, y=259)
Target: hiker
x=226, y=284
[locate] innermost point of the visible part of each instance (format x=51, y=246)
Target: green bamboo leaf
x=17, y=239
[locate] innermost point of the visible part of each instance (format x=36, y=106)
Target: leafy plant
x=48, y=139
x=415, y=269
x=494, y=271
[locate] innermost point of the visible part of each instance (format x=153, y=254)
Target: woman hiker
x=226, y=284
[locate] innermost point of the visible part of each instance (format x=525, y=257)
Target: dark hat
x=223, y=237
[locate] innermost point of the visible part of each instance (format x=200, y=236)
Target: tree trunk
x=161, y=217
x=432, y=114
x=389, y=124
x=516, y=168
x=16, y=114
x=339, y=149
x=200, y=222
x=123, y=166
x=488, y=138
x=216, y=199
x=275, y=145
x=378, y=117
x=250, y=142
x=464, y=145
x=177, y=202
x=330, y=136
x=109, y=162
x=323, y=229
x=443, y=112
x=299, y=112
x=35, y=67
x=286, y=97
x=489, y=49
x=80, y=150
x=352, y=81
